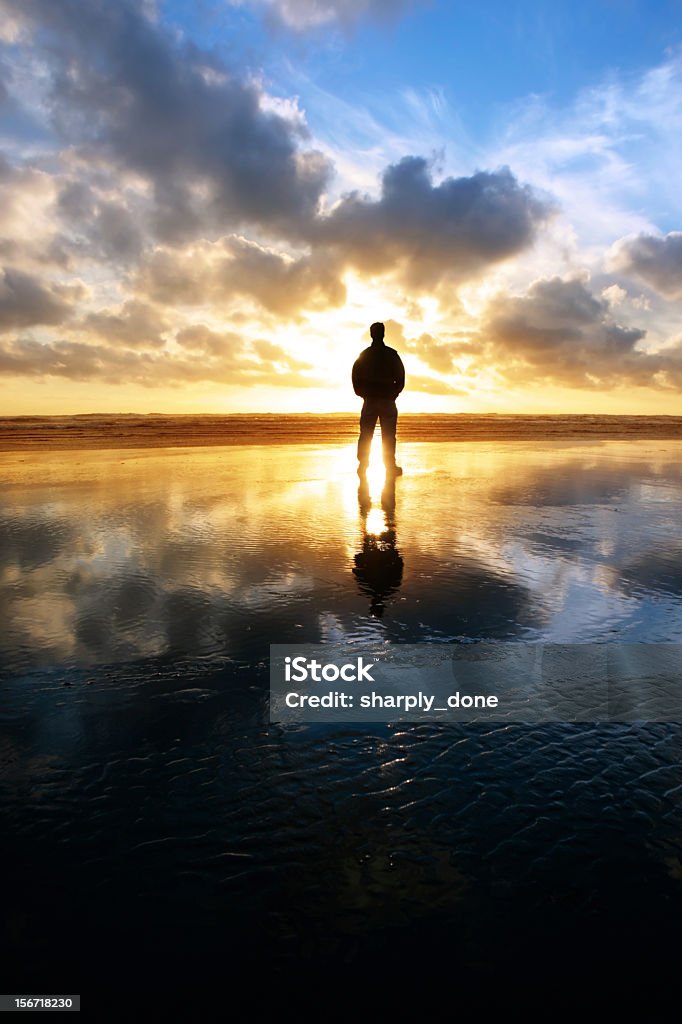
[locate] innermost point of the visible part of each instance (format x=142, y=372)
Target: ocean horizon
x=162, y=430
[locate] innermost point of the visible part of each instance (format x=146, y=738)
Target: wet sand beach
x=159, y=834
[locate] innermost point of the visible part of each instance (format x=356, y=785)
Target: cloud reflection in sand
x=115, y=556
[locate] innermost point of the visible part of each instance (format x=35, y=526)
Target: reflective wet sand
x=155, y=821
x=111, y=556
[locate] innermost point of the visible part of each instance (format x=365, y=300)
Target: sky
x=204, y=205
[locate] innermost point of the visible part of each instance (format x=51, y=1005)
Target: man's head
x=377, y=332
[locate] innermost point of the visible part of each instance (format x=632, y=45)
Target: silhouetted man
x=378, y=377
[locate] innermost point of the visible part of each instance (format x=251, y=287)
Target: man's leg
x=368, y=421
x=388, y=417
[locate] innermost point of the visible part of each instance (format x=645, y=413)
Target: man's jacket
x=378, y=372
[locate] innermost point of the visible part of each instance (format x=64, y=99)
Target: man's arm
x=399, y=375
x=358, y=378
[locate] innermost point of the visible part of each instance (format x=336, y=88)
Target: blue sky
x=481, y=53
x=482, y=56
x=205, y=204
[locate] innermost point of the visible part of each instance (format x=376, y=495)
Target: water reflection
x=109, y=556
x=379, y=565
x=151, y=804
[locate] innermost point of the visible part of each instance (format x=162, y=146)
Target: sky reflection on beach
x=158, y=826
x=110, y=556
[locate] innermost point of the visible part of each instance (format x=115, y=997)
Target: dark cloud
x=201, y=339
x=76, y=201
x=281, y=284
x=4, y=91
x=128, y=88
x=560, y=332
x=34, y=255
x=77, y=361
x=116, y=233
x=204, y=356
x=135, y=323
x=656, y=261
x=215, y=272
x=25, y=300
x=54, y=252
x=245, y=355
x=107, y=228
x=427, y=232
x=302, y=15
x=126, y=357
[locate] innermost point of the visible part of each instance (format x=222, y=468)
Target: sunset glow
x=203, y=212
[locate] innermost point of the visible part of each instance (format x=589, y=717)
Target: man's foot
x=394, y=470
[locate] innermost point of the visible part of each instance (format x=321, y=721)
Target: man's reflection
x=379, y=566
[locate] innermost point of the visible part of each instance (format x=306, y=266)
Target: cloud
x=257, y=354
x=191, y=195
x=199, y=338
x=135, y=323
x=216, y=155
x=234, y=363
x=302, y=15
x=108, y=228
x=233, y=267
x=170, y=158
x=73, y=360
x=438, y=355
x=560, y=332
x=25, y=300
x=653, y=259
x=28, y=233
x=277, y=357
x=433, y=386
x=428, y=233
x=132, y=92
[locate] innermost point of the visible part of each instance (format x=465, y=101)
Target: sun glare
x=376, y=471
x=375, y=523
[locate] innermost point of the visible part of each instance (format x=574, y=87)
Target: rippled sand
x=158, y=828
